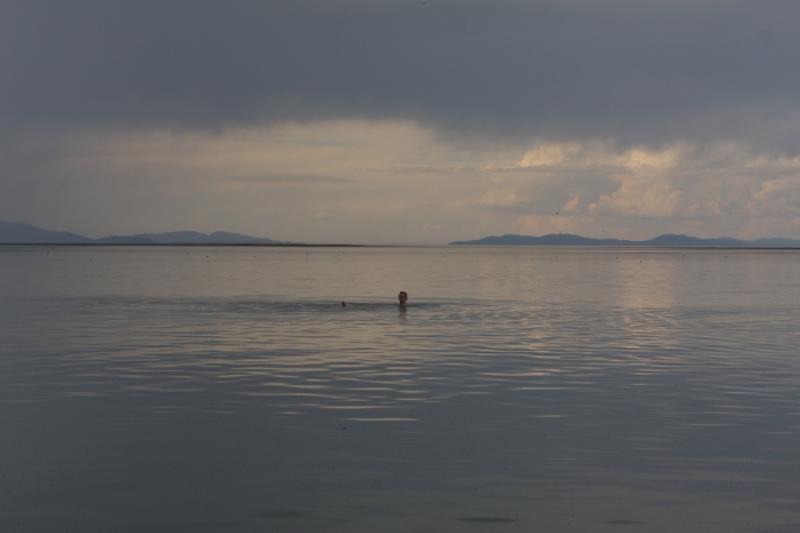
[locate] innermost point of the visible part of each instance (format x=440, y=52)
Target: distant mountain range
x=20, y=233
x=565, y=239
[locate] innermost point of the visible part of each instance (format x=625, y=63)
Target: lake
x=154, y=389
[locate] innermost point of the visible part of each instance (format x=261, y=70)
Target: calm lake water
x=523, y=389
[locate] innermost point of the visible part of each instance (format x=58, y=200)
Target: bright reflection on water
x=226, y=389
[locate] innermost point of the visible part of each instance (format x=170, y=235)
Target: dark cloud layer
x=630, y=70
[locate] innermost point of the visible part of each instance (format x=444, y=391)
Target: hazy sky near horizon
x=402, y=121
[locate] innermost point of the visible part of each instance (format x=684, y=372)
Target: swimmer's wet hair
x=403, y=292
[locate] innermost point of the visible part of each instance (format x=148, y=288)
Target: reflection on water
x=646, y=283
x=227, y=389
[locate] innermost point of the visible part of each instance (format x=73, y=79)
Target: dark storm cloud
x=635, y=71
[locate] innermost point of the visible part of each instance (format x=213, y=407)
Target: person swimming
x=403, y=298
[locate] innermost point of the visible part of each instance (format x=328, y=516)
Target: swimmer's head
x=403, y=297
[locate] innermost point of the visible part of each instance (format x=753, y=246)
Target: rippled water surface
x=523, y=389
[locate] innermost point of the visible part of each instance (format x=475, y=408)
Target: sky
x=395, y=121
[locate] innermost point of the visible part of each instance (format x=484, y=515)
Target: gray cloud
x=638, y=72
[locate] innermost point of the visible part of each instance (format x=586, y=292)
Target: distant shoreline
x=662, y=241
x=633, y=246
x=443, y=245
x=192, y=244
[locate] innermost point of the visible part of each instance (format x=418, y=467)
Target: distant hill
x=565, y=239
x=20, y=233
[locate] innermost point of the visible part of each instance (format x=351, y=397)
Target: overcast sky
x=402, y=121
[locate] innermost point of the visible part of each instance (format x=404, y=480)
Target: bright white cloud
x=594, y=188
x=646, y=186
